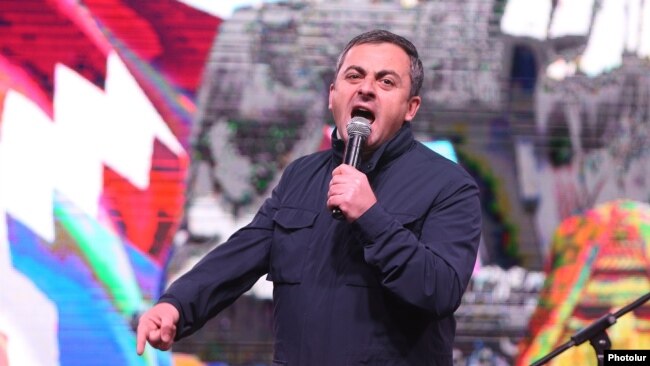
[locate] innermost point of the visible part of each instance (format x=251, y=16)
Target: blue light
x=444, y=148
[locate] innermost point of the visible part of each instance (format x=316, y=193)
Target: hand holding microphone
x=348, y=184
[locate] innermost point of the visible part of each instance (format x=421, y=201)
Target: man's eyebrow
x=356, y=68
x=382, y=73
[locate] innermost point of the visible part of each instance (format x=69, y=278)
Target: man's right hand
x=158, y=327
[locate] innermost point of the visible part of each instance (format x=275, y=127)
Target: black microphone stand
x=595, y=333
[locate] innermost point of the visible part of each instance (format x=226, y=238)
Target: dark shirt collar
x=387, y=152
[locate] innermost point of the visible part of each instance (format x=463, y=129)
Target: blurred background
x=136, y=136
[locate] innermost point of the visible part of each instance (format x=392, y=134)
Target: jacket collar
x=387, y=152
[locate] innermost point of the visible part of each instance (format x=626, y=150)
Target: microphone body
x=358, y=131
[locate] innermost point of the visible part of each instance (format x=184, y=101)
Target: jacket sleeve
x=225, y=273
x=432, y=271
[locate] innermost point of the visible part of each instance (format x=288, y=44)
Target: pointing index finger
x=141, y=338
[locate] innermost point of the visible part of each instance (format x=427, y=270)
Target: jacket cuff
x=372, y=224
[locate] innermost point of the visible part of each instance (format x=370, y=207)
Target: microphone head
x=359, y=126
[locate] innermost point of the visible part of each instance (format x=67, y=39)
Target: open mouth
x=364, y=113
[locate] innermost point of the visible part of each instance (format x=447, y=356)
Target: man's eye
x=387, y=82
x=353, y=76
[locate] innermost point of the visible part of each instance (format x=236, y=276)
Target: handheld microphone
x=358, y=131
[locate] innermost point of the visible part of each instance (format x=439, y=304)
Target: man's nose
x=367, y=88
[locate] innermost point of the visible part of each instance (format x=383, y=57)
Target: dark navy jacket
x=379, y=291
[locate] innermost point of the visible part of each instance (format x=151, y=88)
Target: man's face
x=373, y=82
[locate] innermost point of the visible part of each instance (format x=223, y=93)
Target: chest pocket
x=291, y=238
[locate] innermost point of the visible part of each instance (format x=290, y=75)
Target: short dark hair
x=384, y=36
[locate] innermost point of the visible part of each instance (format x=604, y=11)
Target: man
x=381, y=286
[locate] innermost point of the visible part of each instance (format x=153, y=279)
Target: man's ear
x=413, y=106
